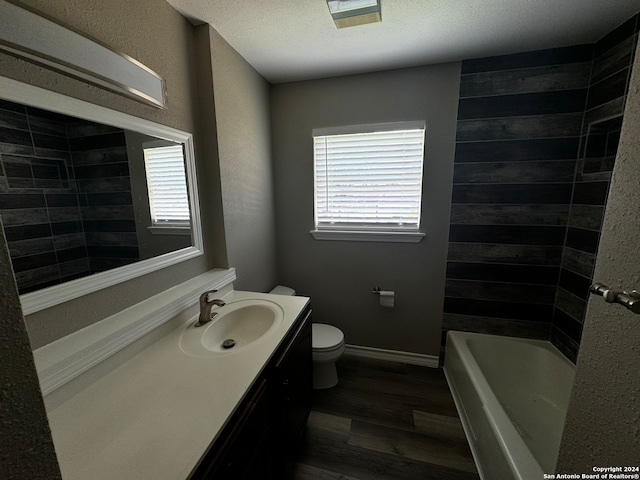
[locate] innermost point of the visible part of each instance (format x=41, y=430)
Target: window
x=166, y=182
x=368, y=182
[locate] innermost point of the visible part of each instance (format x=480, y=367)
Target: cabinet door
x=245, y=452
x=293, y=377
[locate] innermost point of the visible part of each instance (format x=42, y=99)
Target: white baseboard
x=393, y=355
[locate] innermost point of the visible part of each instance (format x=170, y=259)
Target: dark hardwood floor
x=385, y=421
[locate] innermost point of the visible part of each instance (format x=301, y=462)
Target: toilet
x=327, y=346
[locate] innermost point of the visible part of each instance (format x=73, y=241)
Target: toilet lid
x=326, y=337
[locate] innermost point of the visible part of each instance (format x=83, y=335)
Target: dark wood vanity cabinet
x=241, y=452
x=262, y=438
x=292, y=374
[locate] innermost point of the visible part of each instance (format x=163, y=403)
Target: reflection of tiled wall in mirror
x=101, y=168
x=66, y=206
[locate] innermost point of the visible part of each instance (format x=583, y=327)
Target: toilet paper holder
x=386, y=297
x=377, y=290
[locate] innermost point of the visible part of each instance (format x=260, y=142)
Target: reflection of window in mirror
x=167, y=187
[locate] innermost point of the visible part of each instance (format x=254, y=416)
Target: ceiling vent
x=350, y=13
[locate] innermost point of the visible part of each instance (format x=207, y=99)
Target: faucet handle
x=609, y=296
x=204, y=298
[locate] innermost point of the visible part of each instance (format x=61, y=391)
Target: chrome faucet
x=205, y=308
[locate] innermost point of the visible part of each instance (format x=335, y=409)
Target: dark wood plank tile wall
x=519, y=126
x=530, y=185
x=606, y=97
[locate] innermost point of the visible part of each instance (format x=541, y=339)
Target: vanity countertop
x=154, y=416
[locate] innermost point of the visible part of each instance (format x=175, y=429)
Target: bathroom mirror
x=90, y=197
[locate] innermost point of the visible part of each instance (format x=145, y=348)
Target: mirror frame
x=26, y=94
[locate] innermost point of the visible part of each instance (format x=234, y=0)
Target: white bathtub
x=512, y=396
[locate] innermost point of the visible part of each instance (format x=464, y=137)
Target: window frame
x=366, y=231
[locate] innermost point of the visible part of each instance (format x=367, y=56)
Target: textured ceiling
x=288, y=40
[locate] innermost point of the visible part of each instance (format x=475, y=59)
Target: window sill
x=368, y=236
x=173, y=230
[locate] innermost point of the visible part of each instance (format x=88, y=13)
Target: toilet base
x=324, y=375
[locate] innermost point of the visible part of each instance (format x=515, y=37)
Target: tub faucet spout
x=205, y=308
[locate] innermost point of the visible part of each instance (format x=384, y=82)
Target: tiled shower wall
x=524, y=208
x=41, y=201
x=608, y=87
x=519, y=123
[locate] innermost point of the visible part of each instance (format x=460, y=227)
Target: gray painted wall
x=26, y=447
x=601, y=427
x=339, y=275
x=244, y=149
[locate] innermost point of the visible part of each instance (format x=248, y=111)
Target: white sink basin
x=236, y=326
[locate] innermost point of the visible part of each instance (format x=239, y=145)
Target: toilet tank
x=282, y=290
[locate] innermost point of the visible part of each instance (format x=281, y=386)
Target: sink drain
x=229, y=343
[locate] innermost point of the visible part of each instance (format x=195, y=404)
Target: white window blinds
x=166, y=181
x=369, y=181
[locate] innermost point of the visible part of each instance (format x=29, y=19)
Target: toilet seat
x=326, y=337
